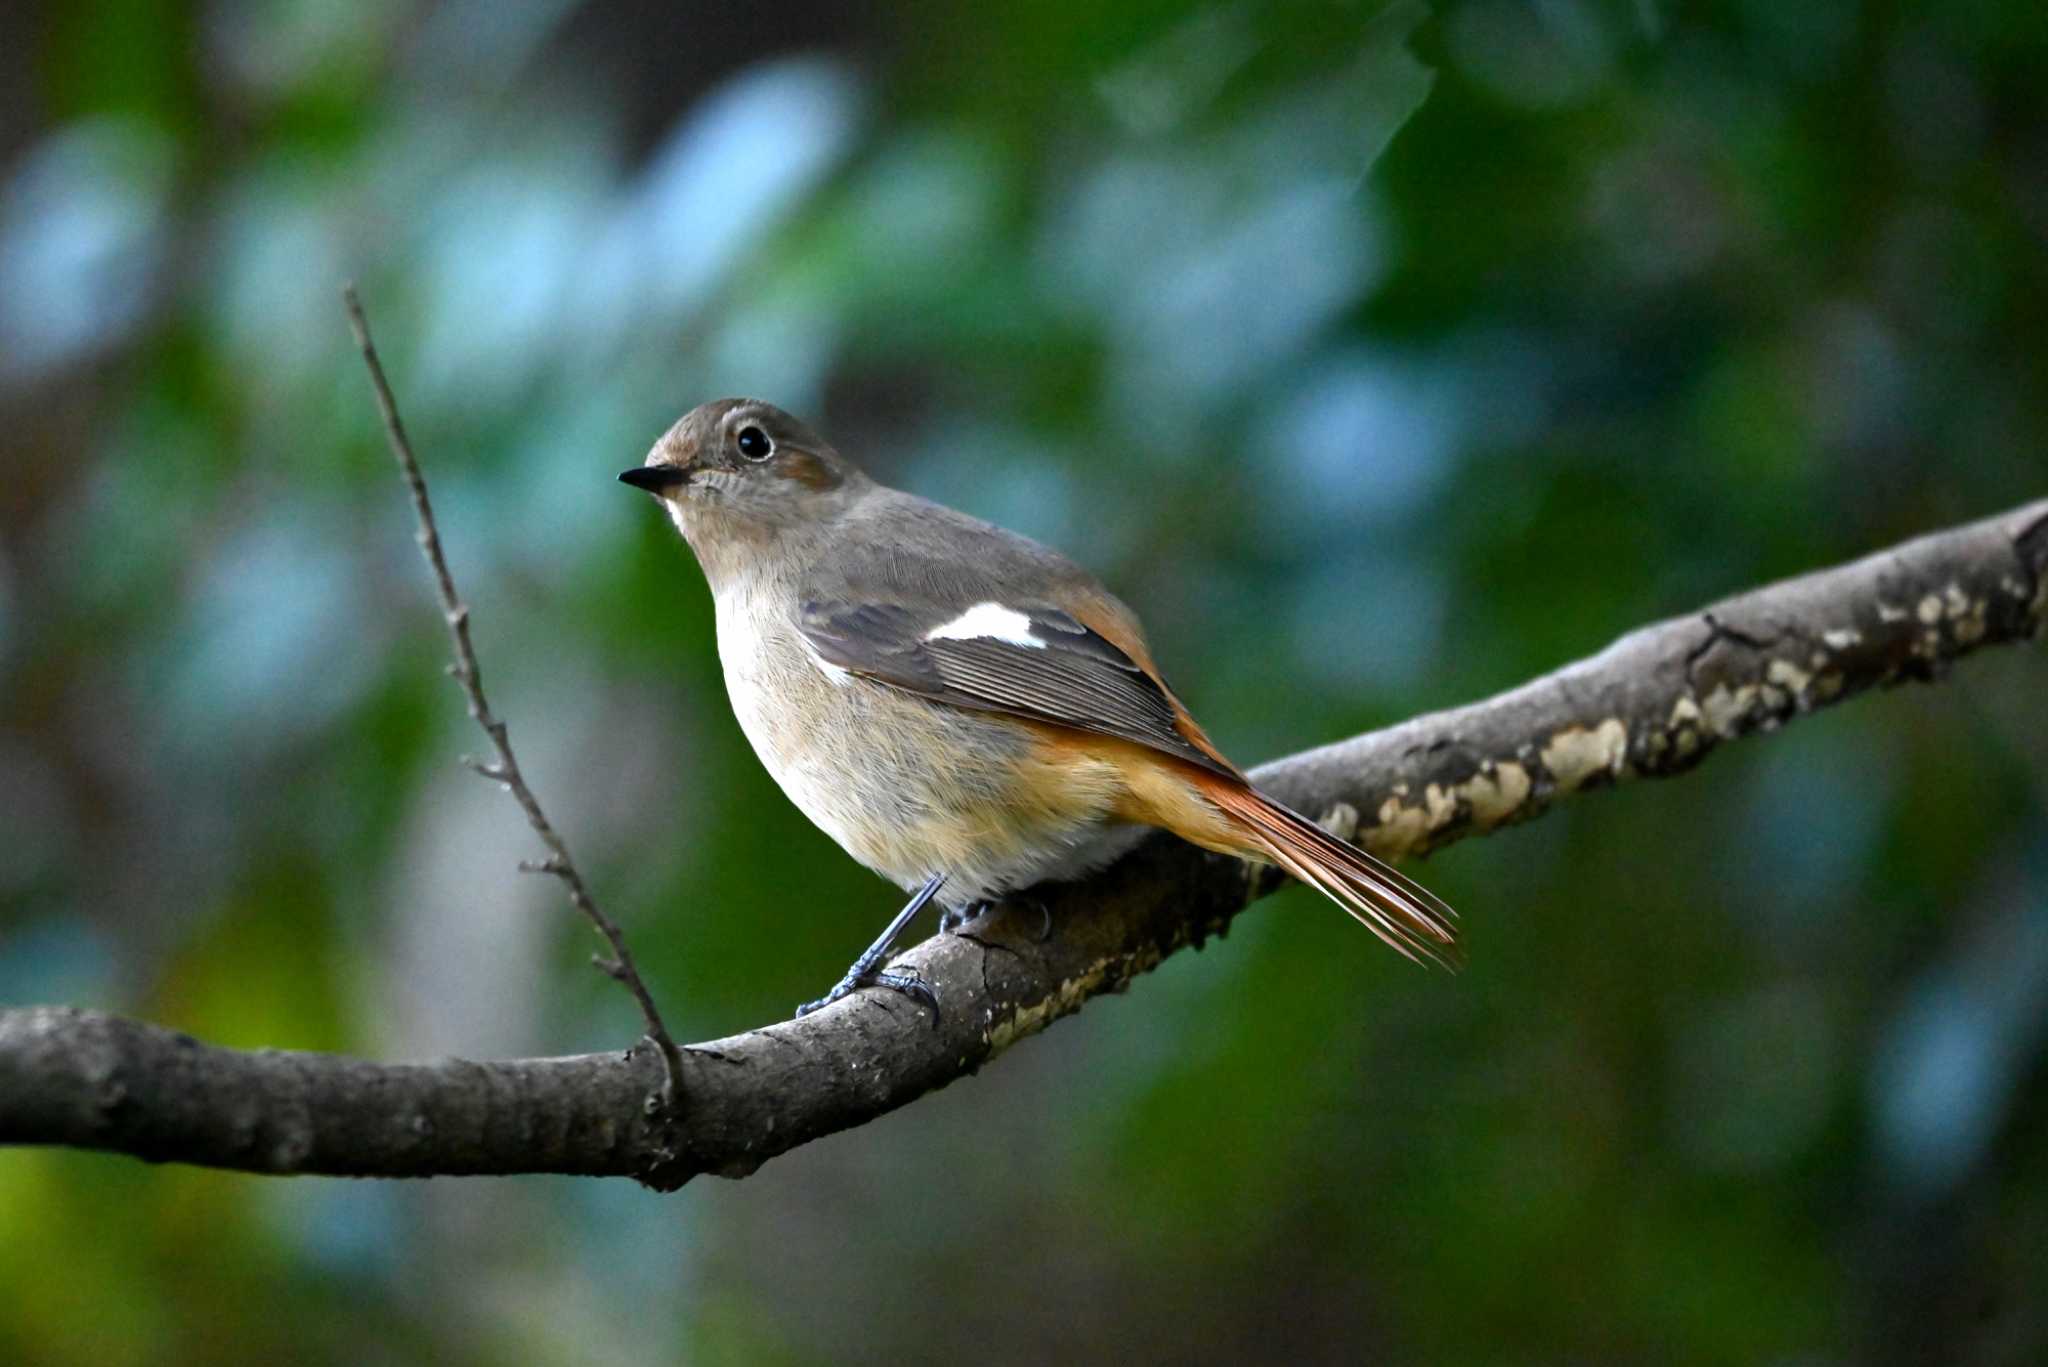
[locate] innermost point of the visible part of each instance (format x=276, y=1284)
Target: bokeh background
x=1382, y=357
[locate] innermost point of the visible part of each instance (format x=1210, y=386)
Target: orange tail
x=1399, y=910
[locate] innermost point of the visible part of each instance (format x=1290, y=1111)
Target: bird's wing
x=1025, y=658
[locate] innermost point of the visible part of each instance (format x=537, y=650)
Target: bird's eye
x=754, y=444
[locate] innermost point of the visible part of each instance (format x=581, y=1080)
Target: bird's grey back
x=894, y=545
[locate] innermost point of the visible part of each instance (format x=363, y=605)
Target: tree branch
x=1651, y=705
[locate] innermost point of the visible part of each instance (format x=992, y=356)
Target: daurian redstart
x=965, y=711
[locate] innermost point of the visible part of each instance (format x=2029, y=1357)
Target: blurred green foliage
x=1382, y=358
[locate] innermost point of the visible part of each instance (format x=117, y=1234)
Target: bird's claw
x=1045, y=926
x=909, y=984
x=952, y=918
x=913, y=987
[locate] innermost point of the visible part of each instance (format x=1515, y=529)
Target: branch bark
x=1653, y=704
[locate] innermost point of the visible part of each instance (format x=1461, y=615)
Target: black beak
x=655, y=479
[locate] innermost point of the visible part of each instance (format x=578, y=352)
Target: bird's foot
x=866, y=969
x=952, y=918
x=909, y=984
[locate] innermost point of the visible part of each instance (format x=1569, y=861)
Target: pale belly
x=912, y=788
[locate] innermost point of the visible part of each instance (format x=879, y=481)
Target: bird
x=966, y=712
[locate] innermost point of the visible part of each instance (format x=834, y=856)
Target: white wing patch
x=988, y=621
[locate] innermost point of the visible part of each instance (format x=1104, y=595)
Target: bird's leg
x=863, y=973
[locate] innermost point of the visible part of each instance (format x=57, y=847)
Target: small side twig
x=504, y=770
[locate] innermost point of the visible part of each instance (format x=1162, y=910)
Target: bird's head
x=742, y=471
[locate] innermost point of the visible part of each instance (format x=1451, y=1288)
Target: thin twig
x=505, y=769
